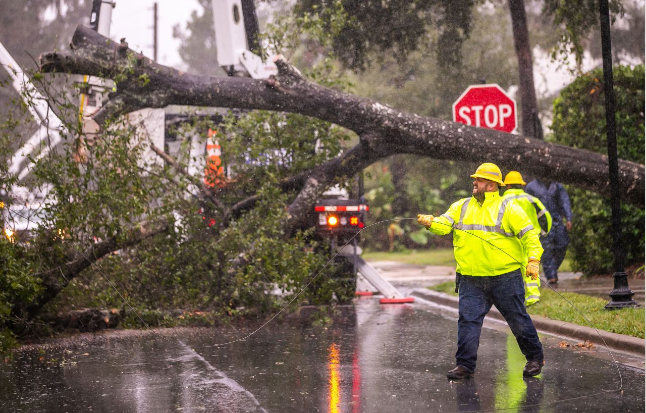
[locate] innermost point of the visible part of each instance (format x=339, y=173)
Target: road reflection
x=333, y=388
x=356, y=382
x=371, y=358
x=511, y=391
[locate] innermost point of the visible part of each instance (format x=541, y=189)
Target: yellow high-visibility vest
x=491, y=238
x=532, y=206
x=534, y=209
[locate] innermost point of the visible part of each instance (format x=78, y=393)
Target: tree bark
x=390, y=131
x=398, y=173
x=529, y=107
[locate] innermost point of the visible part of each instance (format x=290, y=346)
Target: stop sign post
x=486, y=106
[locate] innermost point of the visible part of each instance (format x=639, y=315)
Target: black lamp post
x=621, y=295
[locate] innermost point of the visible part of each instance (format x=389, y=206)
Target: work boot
x=533, y=368
x=459, y=373
x=553, y=281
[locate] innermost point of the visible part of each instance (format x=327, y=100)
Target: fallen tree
x=383, y=132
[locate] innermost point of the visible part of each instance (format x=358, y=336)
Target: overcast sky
x=134, y=21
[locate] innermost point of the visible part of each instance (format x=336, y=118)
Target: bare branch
x=204, y=191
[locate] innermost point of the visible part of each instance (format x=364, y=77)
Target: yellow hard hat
x=514, y=178
x=489, y=171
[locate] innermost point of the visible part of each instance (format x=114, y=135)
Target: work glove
x=425, y=220
x=532, y=268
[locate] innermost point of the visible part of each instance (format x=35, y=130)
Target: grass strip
x=628, y=321
x=443, y=256
x=437, y=256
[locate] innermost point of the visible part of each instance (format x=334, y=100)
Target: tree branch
x=204, y=191
x=77, y=261
x=393, y=131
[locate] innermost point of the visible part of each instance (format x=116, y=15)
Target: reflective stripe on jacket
x=534, y=208
x=496, y=221
x=532, y=290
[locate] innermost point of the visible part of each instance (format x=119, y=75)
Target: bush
x=16, y=284
x=580, y=122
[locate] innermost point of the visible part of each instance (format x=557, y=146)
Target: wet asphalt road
x=370, y=358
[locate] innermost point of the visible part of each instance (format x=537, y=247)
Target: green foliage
x=17, y=263
x=360, y=32
x=579, y=121
x=211, y=260
x=268, y=146
x=316, y=29
x=16, y=285
x=435, y=186
x=194, y=267
x=574, y=20
x=579, y=113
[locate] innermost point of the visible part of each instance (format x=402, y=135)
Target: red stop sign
x=486, y=106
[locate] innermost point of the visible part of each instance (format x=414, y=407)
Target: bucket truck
x=24, y=213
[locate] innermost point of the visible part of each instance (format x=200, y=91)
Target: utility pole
x=155, y=32
x=621, y=295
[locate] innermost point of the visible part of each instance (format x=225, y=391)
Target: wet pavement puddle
x=371, y=358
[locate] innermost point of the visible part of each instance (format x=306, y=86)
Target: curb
x=615, y=341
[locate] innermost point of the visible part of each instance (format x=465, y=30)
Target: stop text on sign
x=486, y=106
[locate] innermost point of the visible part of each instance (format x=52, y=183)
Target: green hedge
x=580, y=122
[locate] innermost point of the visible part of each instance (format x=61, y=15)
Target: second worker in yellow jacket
x=541, y=221
x=492, y=241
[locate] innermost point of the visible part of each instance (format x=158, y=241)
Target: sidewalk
x=414, y=280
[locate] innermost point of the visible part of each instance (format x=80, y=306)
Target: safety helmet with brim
x=490, y=172
x=514, y=178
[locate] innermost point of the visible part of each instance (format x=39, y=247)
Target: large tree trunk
x=529, y=107
x=386, y=131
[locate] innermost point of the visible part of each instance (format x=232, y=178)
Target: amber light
x=354, y=220
x=332, y=220
x=11, y=235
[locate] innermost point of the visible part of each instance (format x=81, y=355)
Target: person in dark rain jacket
x=555, y=243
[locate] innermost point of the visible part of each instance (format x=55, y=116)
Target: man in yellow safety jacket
x=492, y=239
x=541, y=221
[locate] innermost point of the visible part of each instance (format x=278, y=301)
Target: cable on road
x=616, y=364
x=315, y=276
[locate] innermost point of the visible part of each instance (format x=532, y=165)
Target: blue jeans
x=554, y=246
x=507, y=293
